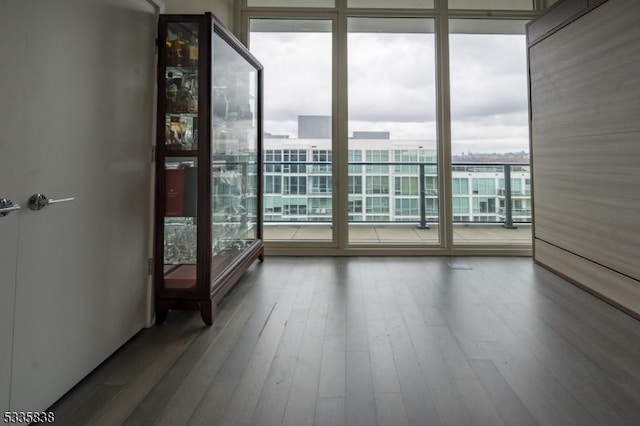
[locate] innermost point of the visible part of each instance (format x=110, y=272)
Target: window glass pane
x=396, y=4
x=291, y=3
x=297, y=58
x=392, y=123
x=492, y=4
x=489, y=123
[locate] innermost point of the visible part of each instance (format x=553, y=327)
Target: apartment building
x=384, y=183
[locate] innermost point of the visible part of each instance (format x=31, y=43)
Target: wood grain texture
x=585, y=104
x=615, y=287
x=378, y=341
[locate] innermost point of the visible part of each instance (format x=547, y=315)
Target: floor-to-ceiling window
x=399, y=125
x=298, y=193
x=489, y=131
x=392, y=126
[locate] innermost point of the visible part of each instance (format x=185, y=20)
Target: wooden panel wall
x=585, y=135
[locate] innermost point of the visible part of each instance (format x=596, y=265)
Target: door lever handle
x=38, y=201
x=7, y=206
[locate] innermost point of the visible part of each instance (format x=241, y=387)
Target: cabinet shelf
x=208, y=219
x=181, y=70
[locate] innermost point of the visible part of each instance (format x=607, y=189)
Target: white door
x=9, y=225
x=76, y=110
x=11, y=159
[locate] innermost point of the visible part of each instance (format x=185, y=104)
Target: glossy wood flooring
x=378, y=341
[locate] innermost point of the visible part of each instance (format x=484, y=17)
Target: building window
x=407, y=207
x=484, y=186
x=355, y=205
x=377, y=156
x=321, y=156
x=431, y=206
x=272, y=155
x=461, y=205
x=320, y=206
x=406, y=156
x=292, y=156
x=355, y=184
x=355, y=156
x=484, y=205
x=320, y=184
x=272, y=184
x=272, y=204
x=431, y=185
x=460, y=186
x=377, y=184
x=406, y=186
x=378, y=205
x=295, y=185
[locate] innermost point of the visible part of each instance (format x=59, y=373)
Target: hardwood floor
x=386, y=341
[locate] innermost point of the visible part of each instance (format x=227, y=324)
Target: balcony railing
x=404, y=193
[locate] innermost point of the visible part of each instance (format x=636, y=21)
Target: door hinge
x=150, y=265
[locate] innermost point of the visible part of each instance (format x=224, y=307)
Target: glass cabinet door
x=180, y=156
x=234, y=136
x=181, y=77
x=180, y=223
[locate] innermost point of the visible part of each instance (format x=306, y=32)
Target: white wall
x=223, y=9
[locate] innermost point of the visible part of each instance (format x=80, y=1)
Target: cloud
x=488, y=75
x=392, y=85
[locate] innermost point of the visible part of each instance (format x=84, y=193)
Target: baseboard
x=619, y=290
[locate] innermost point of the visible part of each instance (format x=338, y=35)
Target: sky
x=392, y=85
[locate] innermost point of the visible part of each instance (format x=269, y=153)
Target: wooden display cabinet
x=208, y=212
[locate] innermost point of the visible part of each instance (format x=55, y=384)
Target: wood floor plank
x=511, y=409
x=273, y=399
x=301, y=404
x=332, y=371
x=360, y=402
x=537, y=388
x=330, y=412
x=390, y=410
x=383, y=367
